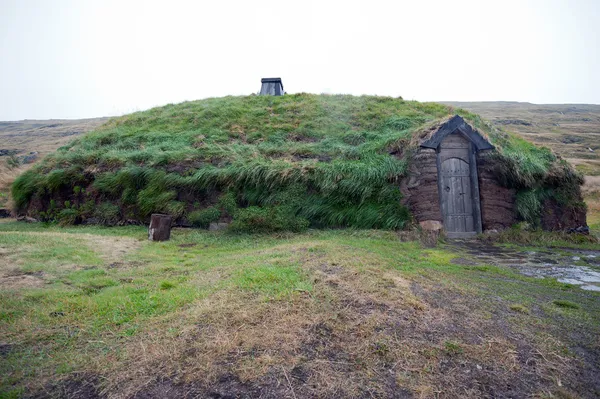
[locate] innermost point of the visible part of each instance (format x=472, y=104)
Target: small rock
x=413, y=182
x=8, y=152
x=31, y=157
x=429, y=238
x=27, y=219
x=491, y=232
x=576, y=258
x=579, y=230
x=218, y=226
x=479, y=367
x=431, y=225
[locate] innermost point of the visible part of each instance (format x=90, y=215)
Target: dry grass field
x=592, y=198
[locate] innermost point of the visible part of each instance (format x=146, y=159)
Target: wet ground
x=572, y=266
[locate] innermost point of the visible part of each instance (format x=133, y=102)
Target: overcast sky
x=84, y=58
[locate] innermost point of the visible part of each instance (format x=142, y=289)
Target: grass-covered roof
x=326, y=160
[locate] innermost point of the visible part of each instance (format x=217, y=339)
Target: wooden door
x=455, y=183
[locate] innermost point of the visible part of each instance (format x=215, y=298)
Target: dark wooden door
x=455, y=182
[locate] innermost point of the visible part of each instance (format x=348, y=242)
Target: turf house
x=289, y=162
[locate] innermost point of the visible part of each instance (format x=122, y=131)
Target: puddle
x=591, y=288
x=559, y=265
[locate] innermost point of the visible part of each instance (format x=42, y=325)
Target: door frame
x=477, y=141
x=476, y=200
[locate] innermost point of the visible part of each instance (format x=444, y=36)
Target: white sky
x=85, y=58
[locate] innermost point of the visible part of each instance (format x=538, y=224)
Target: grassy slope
x=324, y=313
x=41, y=136
x=325, y=158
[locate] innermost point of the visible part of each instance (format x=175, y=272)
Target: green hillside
x=266, y=163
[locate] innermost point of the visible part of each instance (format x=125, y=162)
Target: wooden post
x=160, y=227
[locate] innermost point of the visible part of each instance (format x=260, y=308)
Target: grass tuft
x=166, y=285
x=517, y=307
x=452, y=348
x=565, y=304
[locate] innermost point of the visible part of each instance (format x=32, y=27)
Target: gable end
x=454, y=124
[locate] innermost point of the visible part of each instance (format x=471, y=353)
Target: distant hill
x=43, y=136
x=571, y=130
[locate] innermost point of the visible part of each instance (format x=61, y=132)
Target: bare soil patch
x=110, y=248
x=5, y=349
x=76, y=386
x=21, y=281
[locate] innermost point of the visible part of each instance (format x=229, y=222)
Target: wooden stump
x=160, y=227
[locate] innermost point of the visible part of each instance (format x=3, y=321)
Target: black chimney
x=271, y=87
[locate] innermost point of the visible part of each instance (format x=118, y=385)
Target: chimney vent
x=271, y=87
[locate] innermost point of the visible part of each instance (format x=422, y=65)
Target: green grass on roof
x=264, y=151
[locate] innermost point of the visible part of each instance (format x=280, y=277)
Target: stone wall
x=420, y=187
x=497, y=202
x=556, y=217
